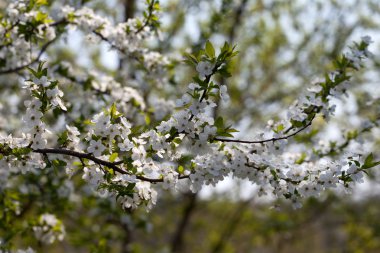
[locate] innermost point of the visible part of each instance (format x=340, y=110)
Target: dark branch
x=111, y=165
x=271, y=139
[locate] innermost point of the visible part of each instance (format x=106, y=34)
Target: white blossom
x=205, y=68
x=96, y=148
x=49, y=229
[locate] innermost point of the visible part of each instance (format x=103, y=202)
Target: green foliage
x=210, y=51
x=222, y=130
x=369, y=162
x=40, y=72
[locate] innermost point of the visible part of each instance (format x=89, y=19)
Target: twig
x=111, y=165
x=271, y=139
x=148, y=18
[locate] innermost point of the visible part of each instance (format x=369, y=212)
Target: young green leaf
x=210, y=51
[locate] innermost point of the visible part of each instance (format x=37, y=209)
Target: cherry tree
x=60, y=124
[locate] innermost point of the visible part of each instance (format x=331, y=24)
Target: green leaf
x=59, y=163
x=180, y=169
x=279, y=128
x=41, y=65
x=191, y=59
x=219, y=123
x=113, y=112
x=301, y=159
x=41, y=2
x=40, y=17
x=224, y=71
x=34, y=73
x=113, y=157
x=369, y=163
x=224, y=134
x=226, y=47
x=210, y=51
x=369, y=159
x=352, y=134
x=63, y=138
x=177, y=140
x=231, y=130
x=147, y=119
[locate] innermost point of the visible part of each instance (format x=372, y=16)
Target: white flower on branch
x=204, y=68
x=96, y=148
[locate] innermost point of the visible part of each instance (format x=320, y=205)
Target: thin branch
x=111, y=165
x=133, y=56
x=80, y=156
x=147, y=20
x=203, y=96
x=107, y=40
x=334, y=150
x=271, y=139
x=207, y=81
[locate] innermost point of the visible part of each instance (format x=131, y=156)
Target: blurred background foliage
x=283, y=46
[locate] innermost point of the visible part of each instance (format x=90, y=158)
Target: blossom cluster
x=49, y=229
x=140, y=158
x=26, y=21
x=45, y=95
x=15, y=46
x=125, y=37
x=212, y=162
